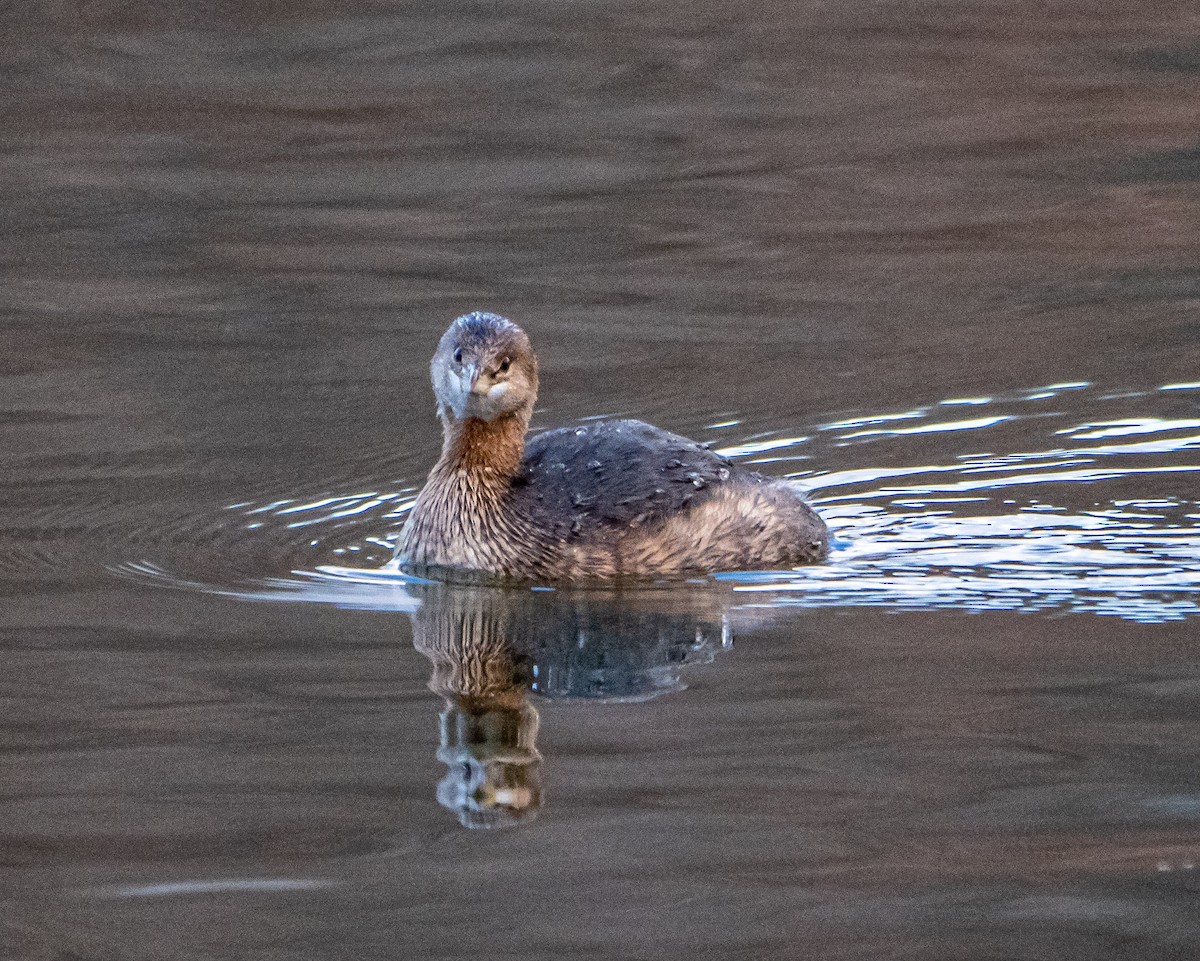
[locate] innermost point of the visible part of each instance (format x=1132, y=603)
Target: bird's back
x=599, y=480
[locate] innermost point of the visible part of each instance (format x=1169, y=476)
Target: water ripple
x=1109, y=526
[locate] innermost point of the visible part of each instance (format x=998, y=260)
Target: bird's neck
x=486, y=452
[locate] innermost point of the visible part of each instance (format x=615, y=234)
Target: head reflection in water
x=491, y=648
x=489, y=728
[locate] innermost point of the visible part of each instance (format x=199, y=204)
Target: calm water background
x=936, y=261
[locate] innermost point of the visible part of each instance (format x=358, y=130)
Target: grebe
x=602, y=500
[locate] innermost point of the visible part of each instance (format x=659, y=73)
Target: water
x=935, y=265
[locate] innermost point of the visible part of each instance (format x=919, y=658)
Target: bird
x=603, y=500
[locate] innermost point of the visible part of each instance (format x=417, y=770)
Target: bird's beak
x=472, y=388
x=477, y=383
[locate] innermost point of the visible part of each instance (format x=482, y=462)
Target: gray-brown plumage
x=602, y=500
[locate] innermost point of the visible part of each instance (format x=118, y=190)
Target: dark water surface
x=935, y=262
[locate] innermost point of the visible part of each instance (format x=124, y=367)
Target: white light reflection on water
x=759, y=446
x=1106, y=528
x=940, y=428
x=224, y=886
x=1105, y=562
x=1126, y=428
x=1077, y=546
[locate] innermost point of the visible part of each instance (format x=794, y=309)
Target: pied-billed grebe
x=602, y=500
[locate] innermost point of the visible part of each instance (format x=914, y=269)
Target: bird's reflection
x=491, y=648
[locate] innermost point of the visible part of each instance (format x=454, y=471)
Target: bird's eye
x=504, y=365
x=458, y=355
